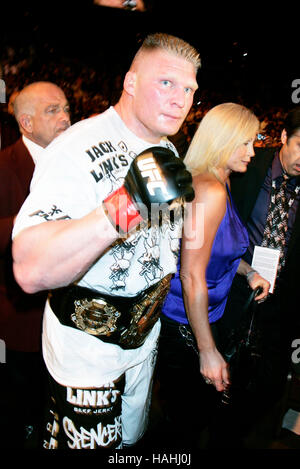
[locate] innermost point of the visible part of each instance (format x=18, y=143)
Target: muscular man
x=84, y=233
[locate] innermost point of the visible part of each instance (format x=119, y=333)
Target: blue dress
x=230, y=244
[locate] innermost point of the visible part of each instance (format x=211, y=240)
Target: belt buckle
x=144, y=315
x=95, y=316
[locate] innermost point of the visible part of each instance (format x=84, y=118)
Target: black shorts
x=88, y=418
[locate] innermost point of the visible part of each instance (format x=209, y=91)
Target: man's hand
x=155, y=177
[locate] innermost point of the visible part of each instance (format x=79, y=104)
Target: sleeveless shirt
x=230, y=243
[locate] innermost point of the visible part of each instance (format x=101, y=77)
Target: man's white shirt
x=79, y=169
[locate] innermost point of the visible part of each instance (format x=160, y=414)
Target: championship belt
x=124, y=321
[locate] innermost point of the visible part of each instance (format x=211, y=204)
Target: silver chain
x=188, y=336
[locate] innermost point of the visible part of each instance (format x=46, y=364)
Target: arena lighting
x=132, y=5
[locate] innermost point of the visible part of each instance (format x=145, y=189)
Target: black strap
x=125, y=321
x=251, y=299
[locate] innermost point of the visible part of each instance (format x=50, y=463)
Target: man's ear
x=25, y=122
x=129, y=83
x=283, y=137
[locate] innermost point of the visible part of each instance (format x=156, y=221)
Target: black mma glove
x=156, y=176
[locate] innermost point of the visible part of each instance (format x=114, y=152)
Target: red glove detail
x=122, y=210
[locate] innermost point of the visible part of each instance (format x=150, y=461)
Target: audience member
x=91, y=91
x=42, y=112
x=267, y=197
x=223, y=143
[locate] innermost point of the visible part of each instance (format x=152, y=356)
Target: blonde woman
x=222, y=143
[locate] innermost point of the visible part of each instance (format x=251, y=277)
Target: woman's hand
x=255, y=280
x=214, y=369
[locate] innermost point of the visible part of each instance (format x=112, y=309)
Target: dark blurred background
x=250, y=53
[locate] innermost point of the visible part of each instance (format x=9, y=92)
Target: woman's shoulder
x=207, y=186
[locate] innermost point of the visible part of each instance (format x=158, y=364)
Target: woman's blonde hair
x=221, y=131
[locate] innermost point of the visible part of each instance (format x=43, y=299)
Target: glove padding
x=156, y=176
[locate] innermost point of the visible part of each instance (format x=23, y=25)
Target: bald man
x=42, y=112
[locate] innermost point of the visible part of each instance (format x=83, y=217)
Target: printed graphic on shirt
x=54, y=213
x=148, y=242
x=122, y=254
x=108, y=163
x=148, y=255
x=145, y=246
x=150, y=259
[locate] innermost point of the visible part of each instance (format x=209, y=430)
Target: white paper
x=265, y=261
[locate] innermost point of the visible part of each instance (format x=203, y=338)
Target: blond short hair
x=171, y=44
x=221, y=131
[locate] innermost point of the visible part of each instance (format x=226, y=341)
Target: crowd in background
x=92, y=88
x=271, y=120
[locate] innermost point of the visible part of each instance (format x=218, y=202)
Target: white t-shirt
x=78, y=171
